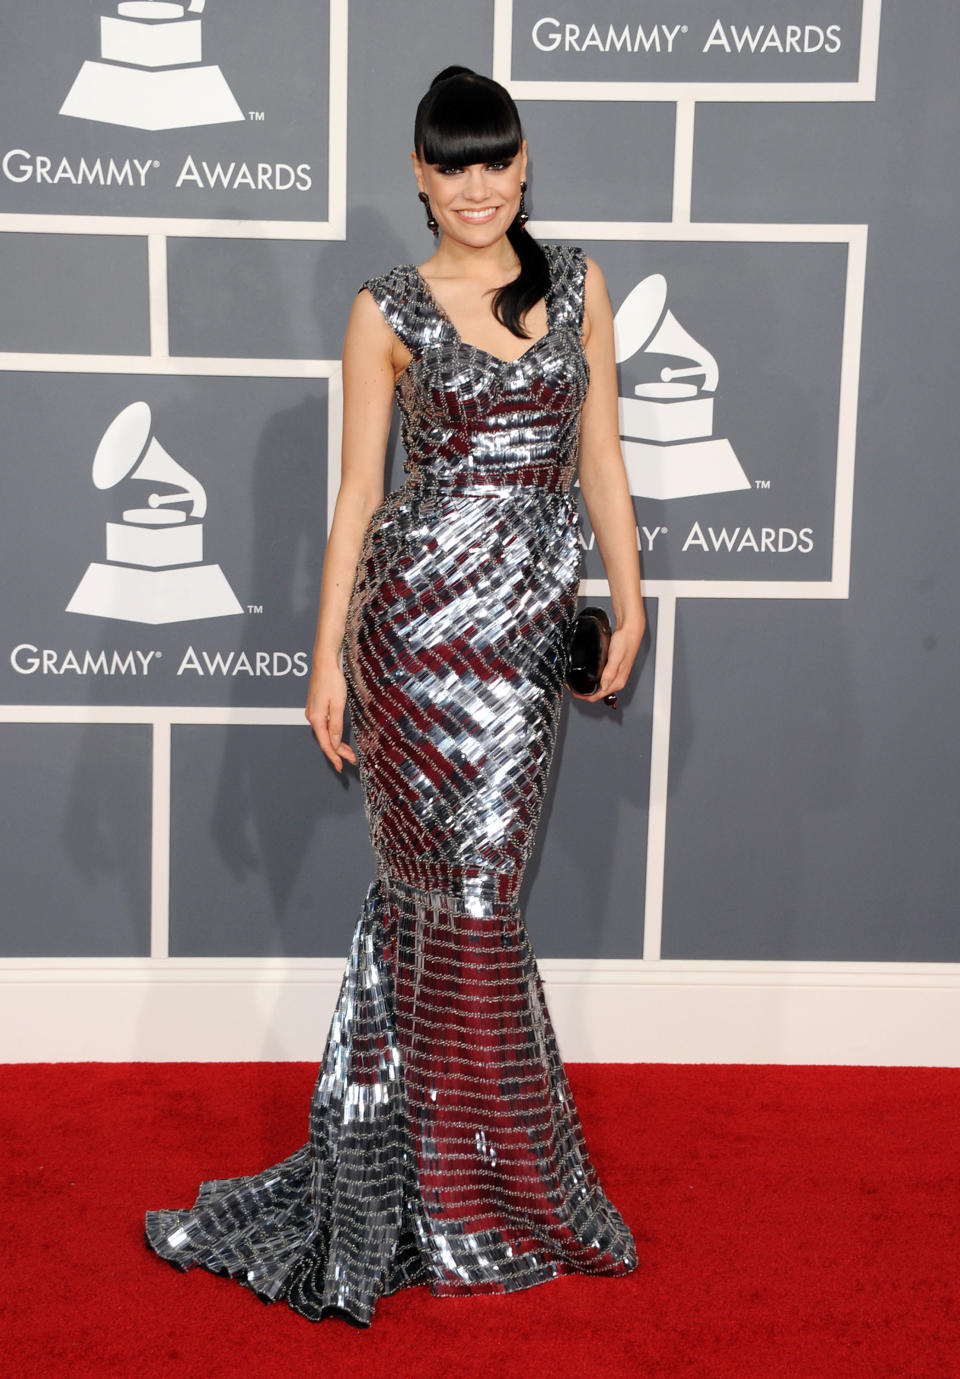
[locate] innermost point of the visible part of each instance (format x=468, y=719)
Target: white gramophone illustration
x=154, y=571
x=666, y=428
x=151, y=74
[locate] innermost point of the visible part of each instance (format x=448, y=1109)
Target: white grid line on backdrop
x=158, y=296
x=659, y=779
x=683, y=161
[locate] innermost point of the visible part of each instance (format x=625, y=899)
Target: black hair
x=466, y=118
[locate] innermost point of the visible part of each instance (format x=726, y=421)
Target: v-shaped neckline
x=478, y=349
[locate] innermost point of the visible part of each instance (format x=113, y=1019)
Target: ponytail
x=515, y=299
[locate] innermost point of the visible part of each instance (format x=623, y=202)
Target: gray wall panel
x=573, y=145
x=76, y=294
x=75, y=843
x=812, y=803
x=283, y=312
x=269, y=853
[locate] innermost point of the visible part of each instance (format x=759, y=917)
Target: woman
x=444, y=1146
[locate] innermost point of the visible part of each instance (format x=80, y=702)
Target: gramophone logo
x=154, y=571
x=666, y=428
x=150, y=74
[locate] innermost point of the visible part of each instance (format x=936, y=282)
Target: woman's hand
x=604, y=488
x=624, y=645
x=326, y=699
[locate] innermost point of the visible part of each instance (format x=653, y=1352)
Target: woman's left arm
x=603, y=482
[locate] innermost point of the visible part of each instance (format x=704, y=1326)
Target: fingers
x=615, y=675
x=321, y=731
x=614, y=678
x=334, y=723
x=326, y=720
x=335, y=728
x=616, y=672
x=615, y=684
x=608, y=685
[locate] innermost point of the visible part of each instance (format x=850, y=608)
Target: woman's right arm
x=369, y=368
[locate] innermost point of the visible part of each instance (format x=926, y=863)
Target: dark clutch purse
x=588, y=642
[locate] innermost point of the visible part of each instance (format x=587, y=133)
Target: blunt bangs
x=467, y=120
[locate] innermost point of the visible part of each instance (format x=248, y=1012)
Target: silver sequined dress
x=445, y=1148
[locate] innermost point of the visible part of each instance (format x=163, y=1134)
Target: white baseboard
x=65, y=1010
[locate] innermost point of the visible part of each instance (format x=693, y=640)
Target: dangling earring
x=431, y=222
x=522, y=215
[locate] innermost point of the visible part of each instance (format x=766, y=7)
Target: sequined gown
x=444, y=1145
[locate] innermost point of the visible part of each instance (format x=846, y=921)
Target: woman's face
x=473, y=205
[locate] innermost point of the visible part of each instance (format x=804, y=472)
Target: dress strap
x=395, y=293
x=568, y=271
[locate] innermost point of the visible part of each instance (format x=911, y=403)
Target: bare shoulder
x=596, y=299
x=366, y=313
x=595, y=284
x=368, y=332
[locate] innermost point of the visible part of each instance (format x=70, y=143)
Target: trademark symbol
x=254, y=607
x=156, y=162
x=256, y=115
x=761, y=483
x=664, y=530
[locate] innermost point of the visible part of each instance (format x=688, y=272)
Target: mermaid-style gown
x=445, y=1148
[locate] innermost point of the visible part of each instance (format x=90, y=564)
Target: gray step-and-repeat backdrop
x=756, y=858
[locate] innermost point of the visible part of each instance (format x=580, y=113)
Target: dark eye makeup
x=445, y=169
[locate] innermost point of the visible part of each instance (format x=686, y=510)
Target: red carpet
x=795, y=1222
